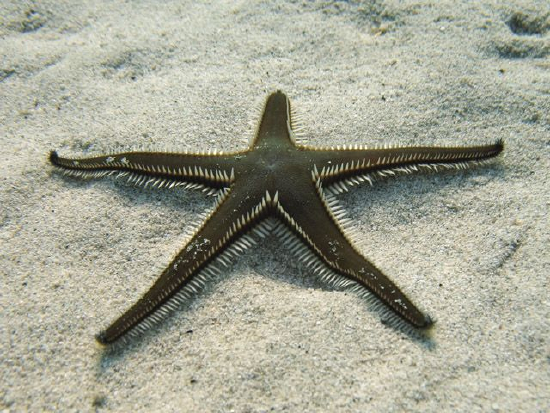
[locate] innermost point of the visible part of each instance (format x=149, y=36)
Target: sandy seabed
x=470, y=247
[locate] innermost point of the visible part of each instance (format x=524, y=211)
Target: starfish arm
x=357, y=164
x=222, y=236
x=318, y=227
x=157, y=168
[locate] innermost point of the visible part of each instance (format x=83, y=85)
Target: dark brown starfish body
x=275, y=177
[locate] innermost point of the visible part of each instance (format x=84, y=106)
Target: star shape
x=276, y=185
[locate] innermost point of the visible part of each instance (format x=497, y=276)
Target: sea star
x=275, y=185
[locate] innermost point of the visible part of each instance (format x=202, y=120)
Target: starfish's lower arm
x=318, y=228
x=222, y=232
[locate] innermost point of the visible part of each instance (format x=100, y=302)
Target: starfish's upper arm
x=358, y=164
x=156, y=168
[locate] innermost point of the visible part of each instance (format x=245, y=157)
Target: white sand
x=469, y=247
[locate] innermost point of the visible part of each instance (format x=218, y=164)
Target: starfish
x=277, y=185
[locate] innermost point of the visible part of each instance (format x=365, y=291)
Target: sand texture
x=469, y=247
